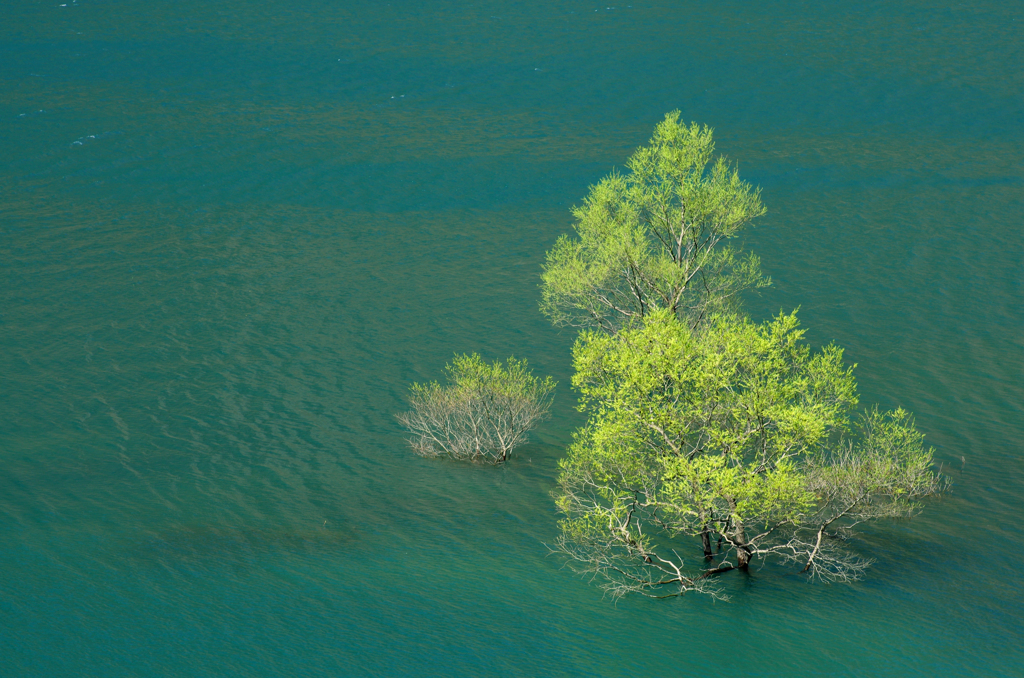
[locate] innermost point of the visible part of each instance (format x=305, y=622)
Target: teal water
x=232, y=233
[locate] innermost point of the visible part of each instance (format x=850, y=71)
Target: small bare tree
x=483, y=413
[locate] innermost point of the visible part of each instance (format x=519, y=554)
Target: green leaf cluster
x=733, y=431
x=728, y=406
x=649, y=239
x=470, y=377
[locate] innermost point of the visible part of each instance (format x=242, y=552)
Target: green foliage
x=735, y=431
x=650, y=239
x=703, y=426
x=481, y=414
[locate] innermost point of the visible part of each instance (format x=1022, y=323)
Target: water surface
x=232, y=233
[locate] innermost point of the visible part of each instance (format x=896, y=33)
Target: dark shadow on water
x=194, y=544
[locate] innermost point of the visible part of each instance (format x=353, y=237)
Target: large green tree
x=708, y=448
x=652, y=238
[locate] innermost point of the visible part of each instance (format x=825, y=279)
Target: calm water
x=232, y=233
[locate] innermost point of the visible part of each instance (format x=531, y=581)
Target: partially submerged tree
x=652, y=238
x=733, y=441
x=482, y=414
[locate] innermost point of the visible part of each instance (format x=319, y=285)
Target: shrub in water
x=482, y=414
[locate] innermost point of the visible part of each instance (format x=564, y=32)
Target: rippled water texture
x=232, y=233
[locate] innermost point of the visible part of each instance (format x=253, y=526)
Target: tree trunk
x=739, y=539
x=742, y=550
x=705, y=538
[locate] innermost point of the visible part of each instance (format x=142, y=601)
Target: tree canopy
x=652, y=238
x=733, y=433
